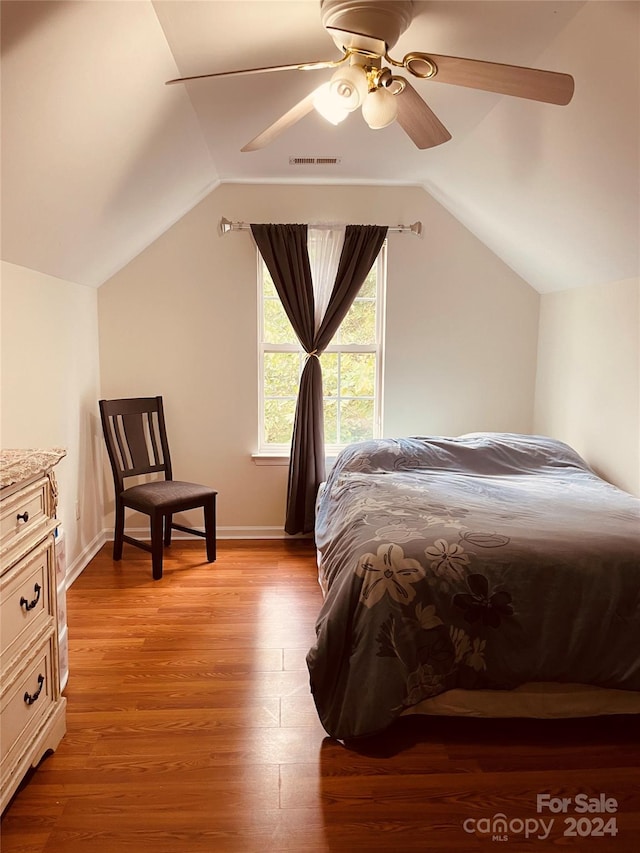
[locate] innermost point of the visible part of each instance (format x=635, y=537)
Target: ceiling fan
x=364, y=77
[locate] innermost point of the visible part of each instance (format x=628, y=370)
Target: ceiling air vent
x=314, y=161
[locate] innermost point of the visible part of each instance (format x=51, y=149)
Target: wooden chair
x=136, y=439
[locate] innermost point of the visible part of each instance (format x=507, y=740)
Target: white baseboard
x=221, y=533
x=84, y=558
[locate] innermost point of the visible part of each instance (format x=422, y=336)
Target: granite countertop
x=19, y=465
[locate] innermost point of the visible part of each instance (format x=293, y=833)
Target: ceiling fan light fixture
x=364, y=31
x=379, y=109
x=329, y=107
x=349, y=87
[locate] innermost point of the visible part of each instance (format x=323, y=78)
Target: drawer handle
x=30, y=698
x=23, y=516
x=29, y=605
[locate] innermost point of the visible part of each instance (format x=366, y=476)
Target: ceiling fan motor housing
x=380, y=19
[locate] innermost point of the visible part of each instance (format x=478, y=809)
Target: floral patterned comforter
x=484, y=561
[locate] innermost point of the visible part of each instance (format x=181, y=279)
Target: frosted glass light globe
x=349, y=86
x=379, y=109
x=325, y=102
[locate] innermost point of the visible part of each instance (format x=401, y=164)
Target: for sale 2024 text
x=582, y=805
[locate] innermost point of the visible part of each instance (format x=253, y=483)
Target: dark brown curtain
x=284, y=250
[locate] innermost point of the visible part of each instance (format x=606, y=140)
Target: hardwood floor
x=191, y=728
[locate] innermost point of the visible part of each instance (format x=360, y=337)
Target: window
x=351, y=367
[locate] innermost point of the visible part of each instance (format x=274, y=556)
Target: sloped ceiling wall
x=557, y=194
x=99, y=157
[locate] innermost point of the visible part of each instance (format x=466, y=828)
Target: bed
x=490, y=574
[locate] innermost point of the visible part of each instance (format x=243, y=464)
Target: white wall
x=50, y=384
x=461, y=334
x=588, y=382
x=181, y=320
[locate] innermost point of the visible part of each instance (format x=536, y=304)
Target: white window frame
x=279, y=453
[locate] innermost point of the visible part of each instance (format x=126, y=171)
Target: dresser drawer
x=23, y=514
x=26, y=701
x=26, y=601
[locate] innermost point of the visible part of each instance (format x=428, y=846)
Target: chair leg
x=156, y=545
x=167, y=530
x=118, y=532
x=210, y=528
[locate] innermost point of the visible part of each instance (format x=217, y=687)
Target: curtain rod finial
x=416, y=228
x=224, y=226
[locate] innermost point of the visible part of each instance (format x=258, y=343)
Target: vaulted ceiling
x=99, y=157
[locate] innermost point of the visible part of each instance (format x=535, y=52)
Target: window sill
x=270, y=458
x=283, y=459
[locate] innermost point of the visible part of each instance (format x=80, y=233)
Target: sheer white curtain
x=324, y=246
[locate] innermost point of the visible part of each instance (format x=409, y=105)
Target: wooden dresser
x=31, y=706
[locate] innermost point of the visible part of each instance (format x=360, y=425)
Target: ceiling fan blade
x=304, y=66
x=419, y=121
x=300, y=110
x=549, y=86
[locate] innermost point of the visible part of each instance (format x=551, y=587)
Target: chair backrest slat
x=134, y=430
x=135, y=435
x=154, y=430
x=124, y=459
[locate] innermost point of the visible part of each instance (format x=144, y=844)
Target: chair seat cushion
x=166, y=494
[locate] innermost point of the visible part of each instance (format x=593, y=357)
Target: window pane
x=329, y=362
x=268, y=287
x=350, y=379
x=278, y=421
x=356, y=420
x=281, y=374
x=357, y=374
x=359, y=326
x=277, y=328
x=330, y=422
x=369, y=286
